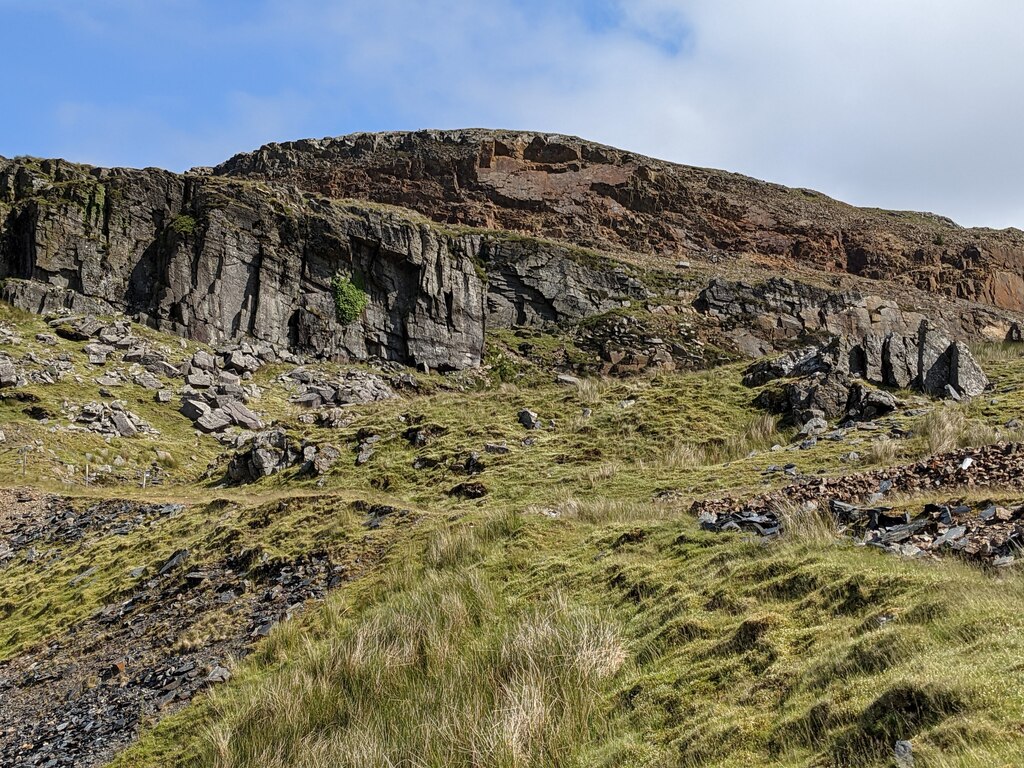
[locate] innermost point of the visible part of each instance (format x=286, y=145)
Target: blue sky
x=915, y=104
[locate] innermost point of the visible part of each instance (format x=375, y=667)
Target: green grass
x=632, y=640
x=183, y=225
x=565, y=618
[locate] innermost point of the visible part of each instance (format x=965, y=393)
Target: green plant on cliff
x=183, y=225
x=350, y=297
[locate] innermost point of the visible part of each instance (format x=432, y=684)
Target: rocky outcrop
x=762, y=317
x=250, y=248
x=220, y=259
x=824, y=378
x=571, y=189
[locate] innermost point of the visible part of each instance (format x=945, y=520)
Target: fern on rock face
x=350, y=297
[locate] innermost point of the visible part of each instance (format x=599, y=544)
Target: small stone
x=529, y=419
x=904, y=754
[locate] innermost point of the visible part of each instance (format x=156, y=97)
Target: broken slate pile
x=1000, y=465
x=108, y=419
x=997, y=465
x=352, y=388
x=987, y=533
x=24, y=529
x=73, y=702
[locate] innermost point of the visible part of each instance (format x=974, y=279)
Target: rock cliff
x=449, y=233
x=567, y=188
x=216, y=259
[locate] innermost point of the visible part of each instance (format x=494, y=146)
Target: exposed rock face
x=568, y=188
x=778, y=312
x=825, y=385
x=250, y=248
x=218, y=259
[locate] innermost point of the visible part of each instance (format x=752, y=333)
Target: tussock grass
x=948, y=427
x=881, y=451
x=758, y=433
x=445, y=672
x=993, y=352
x=635, y=642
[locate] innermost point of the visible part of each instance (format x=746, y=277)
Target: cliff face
x=216, y=259
x=449, y=233
x=567, y=188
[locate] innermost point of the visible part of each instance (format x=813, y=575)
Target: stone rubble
x=73, y=703
x=985, y=532
x=108, y=419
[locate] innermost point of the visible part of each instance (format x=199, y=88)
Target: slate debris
x=988, y=533
x=354, y=387
x=73, y=702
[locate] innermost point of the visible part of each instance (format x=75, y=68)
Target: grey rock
x=164, y=396
x=204, y=361
x=163, y=368
x=194, y=408
x=866, y=404
x=325, y=459
x=903, y=754
x=8, y=374
x=199, y=379
x=148, y=380
x=122, y=424
x=814, y=426
x=308, y=400
x=97, y=353
x=269, y=452
x=214, y=421
x=240, y=362
x=242, y=416
x=365, y=449
x=529, y=419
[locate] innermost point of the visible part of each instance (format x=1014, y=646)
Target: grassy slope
x=563, y=619
x=618, y=638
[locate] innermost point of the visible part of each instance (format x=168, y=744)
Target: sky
x=906, y=104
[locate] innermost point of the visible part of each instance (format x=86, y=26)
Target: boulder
x=97, y=352
x=867, y=404
x=269, y=452
x=825, y=375
x=199, y=379
x=242, y=416
x=123, y=424
x=326, y=457
x=204, y=361
x=214, y=421
x=148, y=381
x=529, y=419
x=8, y=374
x=193, y=408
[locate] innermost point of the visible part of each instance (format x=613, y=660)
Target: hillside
x=485, y=448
